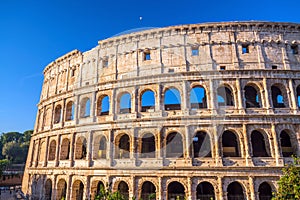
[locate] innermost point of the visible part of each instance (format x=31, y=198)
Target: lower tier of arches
x=151, y=186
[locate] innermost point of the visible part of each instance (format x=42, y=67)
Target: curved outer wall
x=233, y=55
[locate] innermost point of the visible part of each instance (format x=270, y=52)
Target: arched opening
x=103, y=106
x=57, y=114
x=123, y=189
x=205, y=191
x=176, y=191
x=172, y=99
x=77, y=190
x=70, y=111
x=125, y=103
x=102, y=148
x=277, y=97
x=61, y=189
x=230, y=145
x=148, y=146
x=52, y=150
x=85, y=107
x=265, y=191
x=80, y=148
x=201, y=145
x=259, y=144
x=48, y=189
x=100, y=188
x=174, y=145
x=298, y=96
x=252, y=97
x=225, y=96
x=198, y=98
x=148, y=100
x=124, y=147
x=286, y=145
x=148, y=191
x=41, y=152
x=235, y=191
x=65, y=149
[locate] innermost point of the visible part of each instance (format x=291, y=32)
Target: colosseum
x=199, y=111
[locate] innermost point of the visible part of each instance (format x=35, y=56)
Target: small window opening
x=245, y=48
x=147, y=55
x=73, y=72
x=195, y=51
x=274, y=66
x=105, y=63
x=222, y=67
x=294, y=49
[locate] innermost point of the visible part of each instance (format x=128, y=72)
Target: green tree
x=289, y=183
x=14, y=152
x=3, y=164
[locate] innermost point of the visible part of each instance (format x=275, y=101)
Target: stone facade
x=108, y=116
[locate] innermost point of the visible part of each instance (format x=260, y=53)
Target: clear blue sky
x=34, y=33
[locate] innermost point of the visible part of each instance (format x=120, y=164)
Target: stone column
x=211, y=94
x=189, y=188
x=267, y=96
x=89, y=149
x=87, y=189
x=158, y=144
x=187, y=143
x=69, y=188
x=218, y=157
x=54, y=190
x=110, y=147
x=93, y=106
x=185, y=97
x=247, y=144
x=221, y=195
x=292, y=97
x=72, y=149
x=239, y=94
x=113, y=101
x=46, y=152
x=57, y=149
x=276, y=146
x=251, y=188
x=159, y=192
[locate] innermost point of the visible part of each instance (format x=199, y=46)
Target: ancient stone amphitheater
x=199, y=111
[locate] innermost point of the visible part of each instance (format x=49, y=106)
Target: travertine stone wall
x=217, y=57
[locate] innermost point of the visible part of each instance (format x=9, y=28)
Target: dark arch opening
x=48, y=189
x=70, y=111
x=198, y=98
x=252, y=97
x=201, y=145
x=81, y=148
x=57, y=114
x=61, y=189
x=205, y=191
x=124, y=147
x=52, y=150
x=100, y=188
x=225, y=96
x=102, y=148
x=174, y=145
x=148, y=146
x=230, y=144
x=148, y=191
x=235, y=191
x=277, y=97
x=123, y=189
x=286, y=144
x=148, y=100
x=265, y=191
x=258, y=142
x=65, y=149
x=176, y=191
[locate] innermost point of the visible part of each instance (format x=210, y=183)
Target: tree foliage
x=14, y=146
x=3, y=164
x=289, y=183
